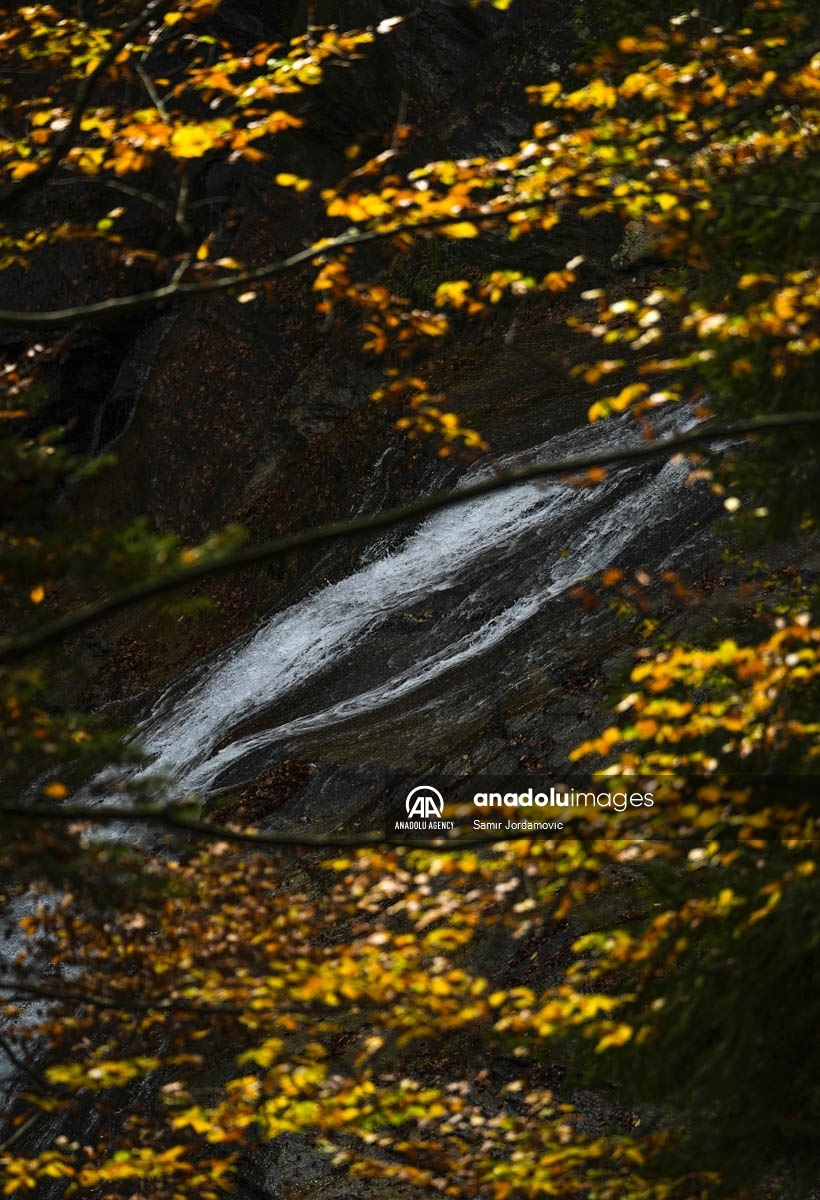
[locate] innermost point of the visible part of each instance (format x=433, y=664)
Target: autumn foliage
x=170, y=1010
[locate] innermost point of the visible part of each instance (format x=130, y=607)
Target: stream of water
x=387, y=646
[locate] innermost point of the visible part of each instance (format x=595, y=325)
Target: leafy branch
x=175, y=1004
x=65, y=138
x=178, y=289
x=12, y=649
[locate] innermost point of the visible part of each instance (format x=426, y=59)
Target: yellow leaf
x=556, y=281
x=627, y=395
x=665, y=201
x=597, y=94
x=548, y=93
x=37, y=594
x=461, y=229
x=619, y=1036
x=55, y=791
x=453, y=292
x=285, y=179
x=58, y=1170
x=784, y=306
x=191, y=141
x=20, y=169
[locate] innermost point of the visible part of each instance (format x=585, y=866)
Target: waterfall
x=459, y=586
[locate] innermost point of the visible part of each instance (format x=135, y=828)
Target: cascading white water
x=486, y=567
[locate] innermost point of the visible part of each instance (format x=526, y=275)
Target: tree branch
x=22, y=1066
x=116, y=185
x=123, y=1004
x=21, y=1131
x=117, y=306
x=744, y=198
x=173, y=1004
x=65, y=138
x=12, y=649
x=174, y=816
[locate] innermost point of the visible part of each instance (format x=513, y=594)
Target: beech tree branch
x=65, y=138
x=171, y=1005
x=178, y=290
x=15, y=648
x=116, y=306
x=21, y=1065
x=751, y=199
x=116, y=185
x=22, y=1131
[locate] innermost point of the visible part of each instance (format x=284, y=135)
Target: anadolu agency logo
x=424, y=808
x=425, y=802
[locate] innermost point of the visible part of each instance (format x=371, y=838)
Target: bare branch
x=177, y=816
x=752, y=199
x=22, y=1066
x=124, y=1004
x=12, y=649
x=116, y=185
x=21, y=1131
x=154, y=95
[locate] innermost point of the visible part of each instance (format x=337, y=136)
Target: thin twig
x=148, y=84
x=115, y=185
x=22, y=1066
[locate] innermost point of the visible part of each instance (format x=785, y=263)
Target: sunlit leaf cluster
x=345, y=1014
x=695, y=707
